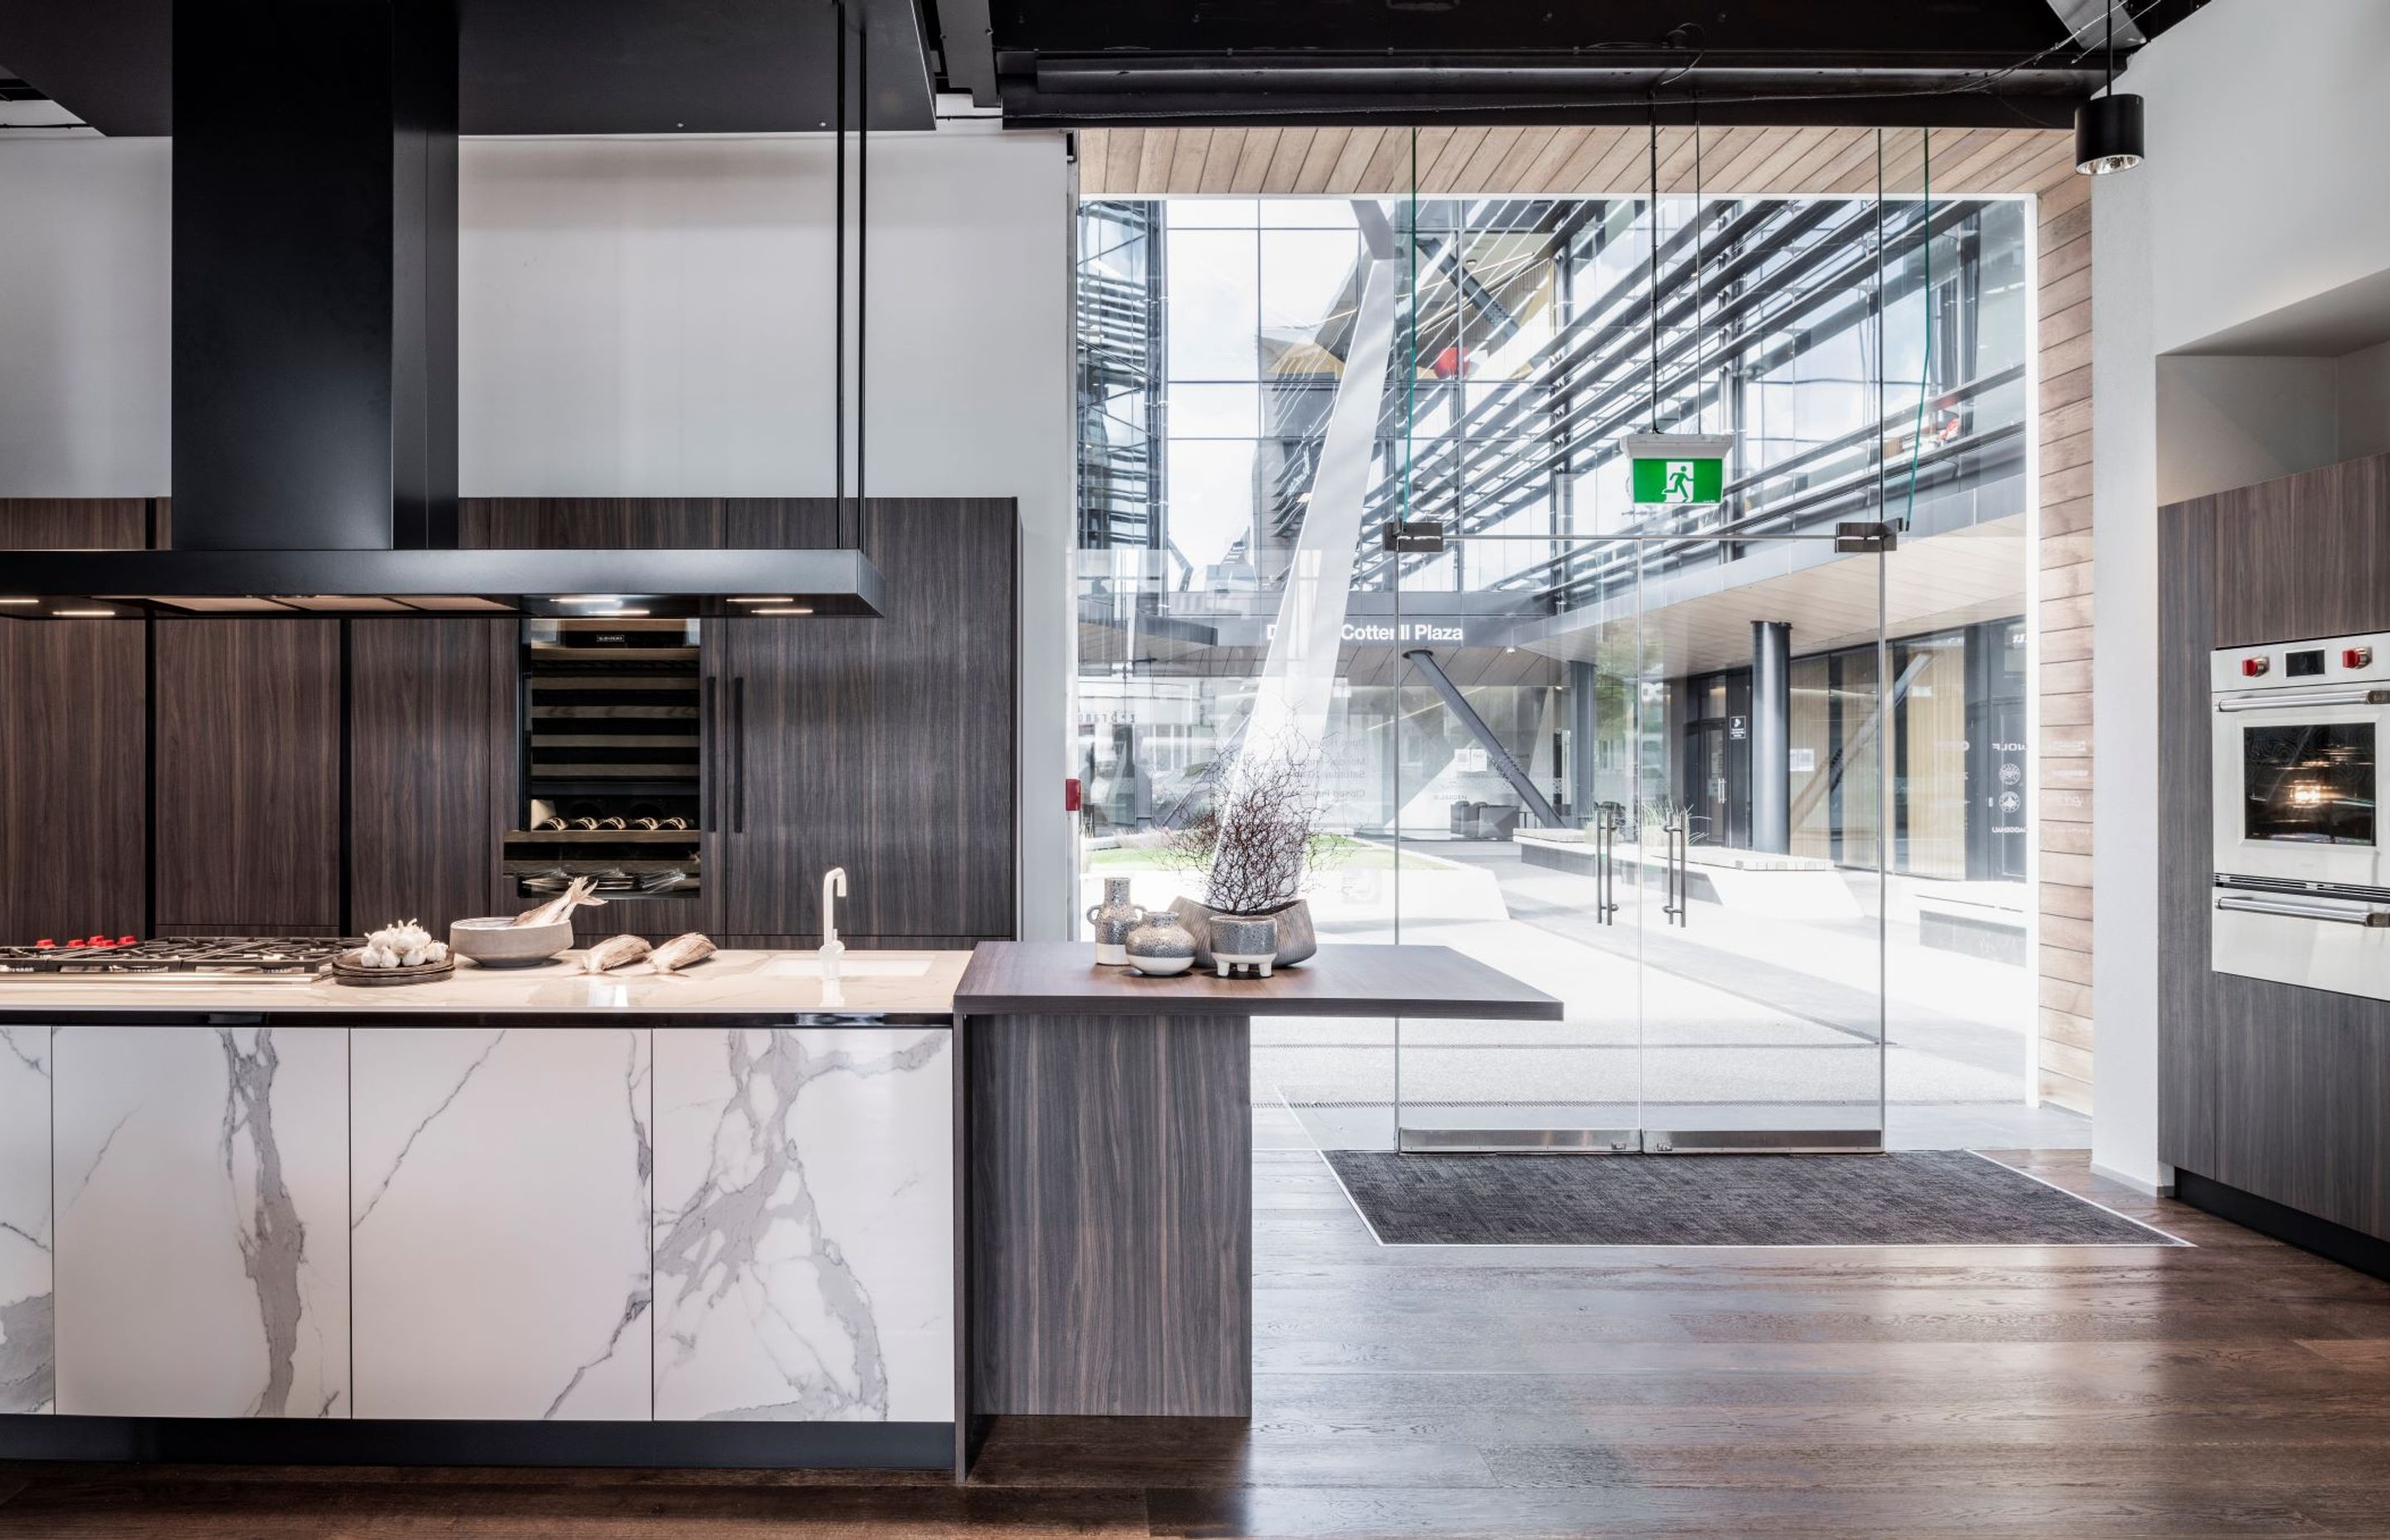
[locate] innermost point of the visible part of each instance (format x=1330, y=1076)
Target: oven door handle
x=2306, y=909
x=2294, y=700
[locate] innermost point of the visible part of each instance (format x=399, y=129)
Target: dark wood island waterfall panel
x=1108, y=1178
x=1132, y=1129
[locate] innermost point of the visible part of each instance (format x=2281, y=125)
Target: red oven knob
x=126, y=941
x=45, y=944
x=2252, y=667
x=2356, y=657
x=76, y=941
x=99, y=941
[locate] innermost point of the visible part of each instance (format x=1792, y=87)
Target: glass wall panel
x=1596, y=691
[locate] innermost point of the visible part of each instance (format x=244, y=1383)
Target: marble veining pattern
x=26, y=1363
x=201, y=1189
x=805, y=1224
x=501, y=1228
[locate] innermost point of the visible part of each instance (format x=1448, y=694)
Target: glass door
x=1657, y=794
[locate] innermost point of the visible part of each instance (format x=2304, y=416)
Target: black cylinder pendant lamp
x=2108, y=127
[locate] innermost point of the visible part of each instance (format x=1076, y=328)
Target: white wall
x=2226, y=422
x=2264, y=188
x=641, y=317
x=652, y=318
x=85, y=226
x=2364, y=392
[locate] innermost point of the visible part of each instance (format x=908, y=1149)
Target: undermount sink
x=849, y=968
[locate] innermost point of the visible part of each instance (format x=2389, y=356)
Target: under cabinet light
x=791, y=610
x=84, y=614
x=773, y=599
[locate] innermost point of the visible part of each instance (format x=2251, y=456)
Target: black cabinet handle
x=739, y=753
x=709, y=756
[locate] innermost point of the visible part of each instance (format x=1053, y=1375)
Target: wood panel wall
x=1595, y=160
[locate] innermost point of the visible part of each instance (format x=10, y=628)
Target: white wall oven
x=2302, y=893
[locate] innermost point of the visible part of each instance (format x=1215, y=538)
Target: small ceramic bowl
x=497, y=941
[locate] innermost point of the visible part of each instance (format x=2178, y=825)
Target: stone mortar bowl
x=494, y=941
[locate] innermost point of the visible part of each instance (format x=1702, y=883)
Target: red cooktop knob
x=2252, y=667
x=76, y=941
x=126, y=941
x=101, y=940
x=45, y=944
x=2356, y=657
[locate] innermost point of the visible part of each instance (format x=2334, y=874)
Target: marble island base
x=633, y=1242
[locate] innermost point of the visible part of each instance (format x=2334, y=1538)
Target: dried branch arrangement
x=1254, y=839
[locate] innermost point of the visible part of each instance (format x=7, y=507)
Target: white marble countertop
x=906, y=983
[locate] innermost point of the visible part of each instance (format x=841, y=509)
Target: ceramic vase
x=1114, y=920
x=1160, y=946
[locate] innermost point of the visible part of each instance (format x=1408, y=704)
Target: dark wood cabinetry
x=248, y=754
x=2269, y=1088
x=73, y=778
x=431, y=768
x=253, y=776
x=73, y=741
x=882, y=746
x=2304, y=556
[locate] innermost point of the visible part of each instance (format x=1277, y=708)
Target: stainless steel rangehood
x=314, y=356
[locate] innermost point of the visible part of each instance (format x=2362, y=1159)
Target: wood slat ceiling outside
x=1559, y=162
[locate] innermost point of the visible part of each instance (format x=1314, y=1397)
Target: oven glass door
x=2308, y=782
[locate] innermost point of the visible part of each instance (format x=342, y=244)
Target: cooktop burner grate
x=250, y=956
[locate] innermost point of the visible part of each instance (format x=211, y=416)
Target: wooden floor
x=2242, y=1387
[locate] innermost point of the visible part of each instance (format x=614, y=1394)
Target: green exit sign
x=1679, y=468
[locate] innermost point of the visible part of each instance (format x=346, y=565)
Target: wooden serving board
x=346, y=969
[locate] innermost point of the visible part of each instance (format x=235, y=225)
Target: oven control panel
x=2325, y=660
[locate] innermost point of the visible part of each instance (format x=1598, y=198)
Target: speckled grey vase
x=1160, y=946
x=1114, y=920
x=1296, y=939
x=1243, y=946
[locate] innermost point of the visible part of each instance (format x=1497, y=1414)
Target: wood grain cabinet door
x=247, y=840
x=72, y=739
x=431, y=751
x=882, y=746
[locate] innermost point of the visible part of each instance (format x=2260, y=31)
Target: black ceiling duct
x=315, y=353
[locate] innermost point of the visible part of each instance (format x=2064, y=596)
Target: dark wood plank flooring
x=2238, y=1389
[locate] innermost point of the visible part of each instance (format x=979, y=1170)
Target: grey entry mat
x=1910, y=1198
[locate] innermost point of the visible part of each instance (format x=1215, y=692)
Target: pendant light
x=2108, y=127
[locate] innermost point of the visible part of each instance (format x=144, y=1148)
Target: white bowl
x=495, y=941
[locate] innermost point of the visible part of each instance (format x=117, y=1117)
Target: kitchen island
x=743, y=1216
x=509, y=1216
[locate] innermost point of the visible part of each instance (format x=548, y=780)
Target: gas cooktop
x=247, y=959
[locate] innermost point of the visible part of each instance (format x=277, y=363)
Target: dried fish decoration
x=680, y=952
x=560, y=907
x=614, y=952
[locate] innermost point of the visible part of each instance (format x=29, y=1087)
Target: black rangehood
x=314, y=355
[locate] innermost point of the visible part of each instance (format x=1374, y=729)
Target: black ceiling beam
x=967, y=48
